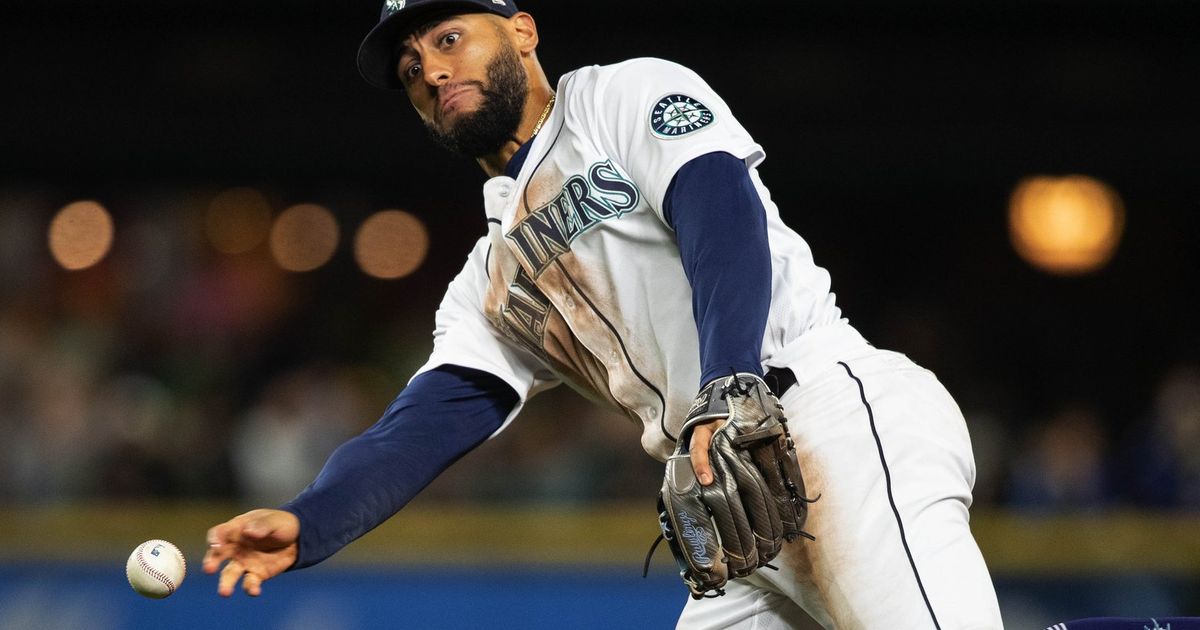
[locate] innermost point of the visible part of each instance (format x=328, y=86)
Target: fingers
x=253, y=547
x=698, y=451
x=223, y=542
x=224, y=539
x=229, y=577
x=220, y=546
x=235, y=570
x=252, y=584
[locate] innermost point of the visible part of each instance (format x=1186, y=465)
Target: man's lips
x=453, y=98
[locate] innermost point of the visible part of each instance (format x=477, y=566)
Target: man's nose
x=437, y=71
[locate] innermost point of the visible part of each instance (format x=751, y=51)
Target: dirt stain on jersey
x=569, y=314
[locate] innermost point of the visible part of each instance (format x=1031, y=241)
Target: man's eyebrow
x=420, y=31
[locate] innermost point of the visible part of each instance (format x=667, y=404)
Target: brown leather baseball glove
x=738, y=523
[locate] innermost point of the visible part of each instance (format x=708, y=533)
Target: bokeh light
x=304, y=237
x=1065, y=225
x=237, y=220
x=391, y=244
x=80, y=235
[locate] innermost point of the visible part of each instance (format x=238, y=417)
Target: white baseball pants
x=887, y=449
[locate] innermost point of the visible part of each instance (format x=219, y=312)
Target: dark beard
x=488, y=128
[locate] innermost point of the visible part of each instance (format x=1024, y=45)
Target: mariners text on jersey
x=547, y=232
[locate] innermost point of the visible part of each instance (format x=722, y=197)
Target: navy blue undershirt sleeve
x=439, y=417
x=721, y=227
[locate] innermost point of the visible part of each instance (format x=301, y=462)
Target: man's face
x=465, y=79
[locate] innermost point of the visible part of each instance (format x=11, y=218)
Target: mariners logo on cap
x=677, y=115
x=395, y=5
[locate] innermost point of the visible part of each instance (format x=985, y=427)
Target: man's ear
x=526, y=32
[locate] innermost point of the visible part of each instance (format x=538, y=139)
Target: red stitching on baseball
x=155, y=573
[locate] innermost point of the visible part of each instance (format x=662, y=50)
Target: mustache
x=437, y=114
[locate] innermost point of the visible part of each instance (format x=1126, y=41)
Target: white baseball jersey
x=579, y=279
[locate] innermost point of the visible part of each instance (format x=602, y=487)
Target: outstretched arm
x=439, y=417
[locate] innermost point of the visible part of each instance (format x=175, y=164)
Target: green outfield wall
x=611, y=534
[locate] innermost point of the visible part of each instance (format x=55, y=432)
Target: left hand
x=702, y=435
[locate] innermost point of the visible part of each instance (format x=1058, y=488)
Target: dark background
x=895, y=133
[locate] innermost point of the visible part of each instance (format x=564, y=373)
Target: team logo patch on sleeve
x=678, y=115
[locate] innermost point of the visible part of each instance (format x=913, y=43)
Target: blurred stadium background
x=221, y=252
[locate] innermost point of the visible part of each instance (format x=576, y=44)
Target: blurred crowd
x=1076, y=458
x=170, y=371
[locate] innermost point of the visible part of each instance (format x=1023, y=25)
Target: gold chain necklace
x=545, y=112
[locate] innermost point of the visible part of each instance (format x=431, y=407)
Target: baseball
x=155, y=569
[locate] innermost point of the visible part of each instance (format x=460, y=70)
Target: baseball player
x=633, y=253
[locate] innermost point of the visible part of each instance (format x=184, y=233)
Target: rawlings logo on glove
x=696, y=538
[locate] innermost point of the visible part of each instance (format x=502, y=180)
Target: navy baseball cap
x=376, y=55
